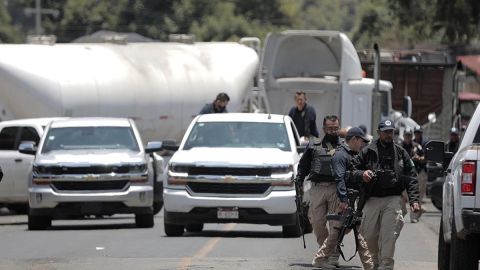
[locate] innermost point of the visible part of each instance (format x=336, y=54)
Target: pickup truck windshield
x=239, y=135
x=74, y=138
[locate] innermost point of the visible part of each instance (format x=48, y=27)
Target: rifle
x=351, y=219
x=352, y=216
x=301, y=216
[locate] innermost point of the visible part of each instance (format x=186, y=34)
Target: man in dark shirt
x=416, y=153
x=219, y=105
x=454, y=142
x=315, y=166
x=421, y=162
x=342, y=165
x=382, y=214
x=304, y=116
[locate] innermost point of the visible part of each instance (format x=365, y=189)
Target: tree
x=8, y=32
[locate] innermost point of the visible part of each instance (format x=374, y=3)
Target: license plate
x=227, y=213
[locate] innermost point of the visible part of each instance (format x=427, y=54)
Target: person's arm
x=205, y=109
x=359, y=167
x=339, y=164
x=304, y=164
x=312, y=122
x=410, y=175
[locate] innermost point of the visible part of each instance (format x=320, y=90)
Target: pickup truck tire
x=144, y=220
x=36, y=223
x=443, y=251
x=157, y=206
x=292, y=231
x=173, y=229
x=463, y=254
x=194, y=227
x=19, y=208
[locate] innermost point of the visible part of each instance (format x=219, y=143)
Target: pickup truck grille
x=229, y=171
x=89, y=185
x=88, y=170
x=229, y=188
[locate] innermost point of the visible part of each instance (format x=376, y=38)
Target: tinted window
x=239, y=135
x=71, y=138
x=29, y=134
x=7, y=138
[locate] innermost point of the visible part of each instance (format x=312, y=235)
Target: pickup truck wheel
x=157, y=206
x=443, y=251
x=19, y=208
x=39, y=222
x=144, y=220
x=292, y=231
x=194, y=227
x=173, y=229
x=463, y=254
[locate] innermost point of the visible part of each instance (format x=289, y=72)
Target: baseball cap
x=418, y=129
x=408, y=131
x=357, y=132
x=386, y=125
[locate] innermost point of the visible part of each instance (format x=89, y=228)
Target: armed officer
x=341, y=164
x=394, y=172
x=315, y=166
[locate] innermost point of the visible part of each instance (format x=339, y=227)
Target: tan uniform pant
x=381, y=225
x=323, y=200
x=329, y=247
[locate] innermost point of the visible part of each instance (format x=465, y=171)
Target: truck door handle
x=18, y=160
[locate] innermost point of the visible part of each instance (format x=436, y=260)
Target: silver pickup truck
x=459, y=237
x=90, y=166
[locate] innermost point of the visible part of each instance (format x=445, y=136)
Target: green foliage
x=391, y=23
x=8, y=33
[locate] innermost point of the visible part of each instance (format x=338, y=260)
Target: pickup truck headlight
x=36, y=169
x=178, y=168
x=138, y=168
x=282, y=169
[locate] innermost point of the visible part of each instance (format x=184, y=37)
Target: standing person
x=454, y=142
x=416, y=153
x=341, y=164
x=304, y=116
x=382, y=218
x=420, y=162
x=219, y=105
x=315, y=166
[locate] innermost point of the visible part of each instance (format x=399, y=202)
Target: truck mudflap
x=471, y=220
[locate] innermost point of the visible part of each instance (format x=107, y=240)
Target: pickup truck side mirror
x=170, y=145
x=27, y=147
x=435, y=151
x=153, y=147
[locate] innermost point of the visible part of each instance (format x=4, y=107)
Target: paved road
x=115, y=243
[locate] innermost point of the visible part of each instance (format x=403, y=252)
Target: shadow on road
x=77, y=227
x=234, y=234
x=341, y=267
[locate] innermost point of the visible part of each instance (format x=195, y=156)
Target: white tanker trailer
x=162, y=85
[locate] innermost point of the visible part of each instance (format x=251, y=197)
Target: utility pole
x=38, y=11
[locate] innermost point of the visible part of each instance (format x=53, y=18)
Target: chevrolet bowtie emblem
x=228, y=178
x=90, y=177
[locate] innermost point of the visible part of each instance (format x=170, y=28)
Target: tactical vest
x=321, y=167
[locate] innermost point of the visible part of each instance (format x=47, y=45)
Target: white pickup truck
x=459, y=245
x=233, y=168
